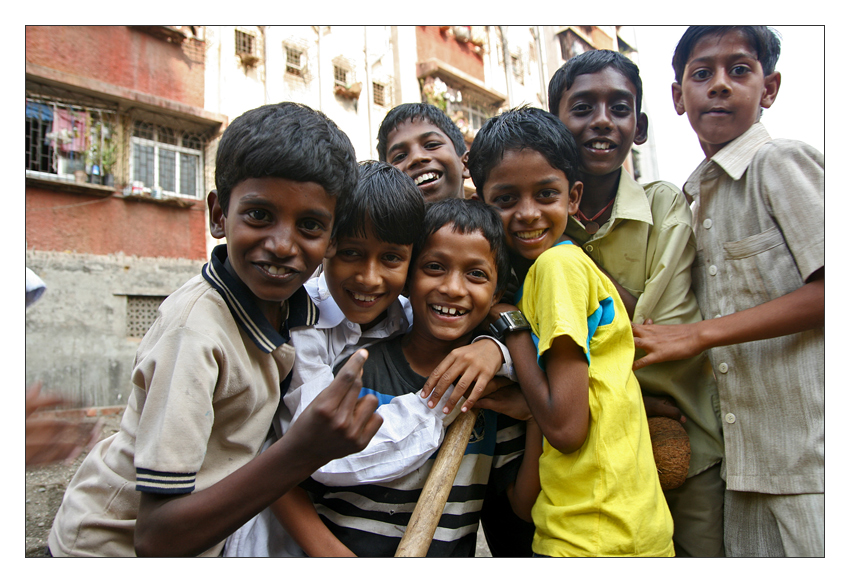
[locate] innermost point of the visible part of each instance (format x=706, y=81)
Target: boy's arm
x=296, y=513
x=558, y=398
x=185, y=525
x=798, y=311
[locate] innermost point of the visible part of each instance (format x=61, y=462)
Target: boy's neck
x=598, y=192
x=424, y=352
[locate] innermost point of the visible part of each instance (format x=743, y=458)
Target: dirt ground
x=46, y=486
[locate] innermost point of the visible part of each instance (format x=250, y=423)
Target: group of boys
x=277, y=412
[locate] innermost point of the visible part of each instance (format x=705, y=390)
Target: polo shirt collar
x=300, y=309
x=630, y=204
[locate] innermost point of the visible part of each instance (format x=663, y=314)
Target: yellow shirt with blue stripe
x=605, y=498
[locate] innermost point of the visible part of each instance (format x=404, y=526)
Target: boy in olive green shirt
x=641, y=236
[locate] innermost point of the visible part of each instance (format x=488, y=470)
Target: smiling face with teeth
x=452, y=286
x=365, y=276
x=534, y=200
x=278, y=231
x=422, y=151
x=599, y=110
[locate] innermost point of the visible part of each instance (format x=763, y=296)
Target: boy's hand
x=509, y=401
x=665, y=342
x=662, y=407
x=497, y=310
x=475, y=364
x=337, y=422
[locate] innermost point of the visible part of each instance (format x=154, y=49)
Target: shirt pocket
x=761, y=268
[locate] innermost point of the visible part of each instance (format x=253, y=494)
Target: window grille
x=245, y=43
x=341, y=75
x=164, y=158
x=379, y=96
x=294, y=61
x=141, y=314
x=64, y=139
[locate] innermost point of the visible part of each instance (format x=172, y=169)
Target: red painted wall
x=433, y=44
x=122, y=56
x=57, y=221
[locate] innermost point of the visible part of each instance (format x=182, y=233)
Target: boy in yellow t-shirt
x=600, y=494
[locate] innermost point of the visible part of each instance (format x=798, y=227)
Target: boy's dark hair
x=468, y=216
x=518, y=129
x=763, y=40
x=284, y=140
x=385, y=199
x=592, y=62
x=418, y=112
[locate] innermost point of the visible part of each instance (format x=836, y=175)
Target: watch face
x=516, y=319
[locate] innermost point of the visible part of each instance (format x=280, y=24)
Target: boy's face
x=277, y=234
x=723, y=89
x=452, y=284
x=422, y=151
x=599, y=109
x=534, y=200
x=365, y=276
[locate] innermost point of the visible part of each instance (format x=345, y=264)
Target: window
x=66, y=141
x=295, y=61
x=245, y=43
x=572, y=44
x=474, y=114
x=341, y=75
x=164, y=158
x=379, y=96
x=141, y=314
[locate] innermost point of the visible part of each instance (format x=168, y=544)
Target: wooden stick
x=432, y=501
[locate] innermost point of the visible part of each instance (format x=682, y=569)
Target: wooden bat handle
x=432, y=501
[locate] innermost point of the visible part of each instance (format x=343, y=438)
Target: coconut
x=671, y=449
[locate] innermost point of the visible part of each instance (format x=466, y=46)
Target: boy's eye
x=392, y=258
x=621, y=109
x=503, y=200
x=258, y=215
x=547, y=194
x=347, y=253
x=701, y=74
x=432, y=266
x=478, y=274
x=398, y=158
x=740, y=70
x=312, y=226
x=580, y=108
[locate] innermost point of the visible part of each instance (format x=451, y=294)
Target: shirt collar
x=330, y=316
x=736, y=156
x=631, y=202
x=299, y=309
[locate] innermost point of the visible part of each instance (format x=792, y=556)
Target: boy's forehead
x=437, y=241
x=412, y=129
x=602, y=81
x=723, y=43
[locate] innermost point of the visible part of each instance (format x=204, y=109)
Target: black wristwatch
x=509, y=322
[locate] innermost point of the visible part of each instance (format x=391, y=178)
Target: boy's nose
x=418, y=156
x=369, y=275
x=527, y=211
x=601, y=119
x=452, y=284
x=720, y=84
x=281, y=243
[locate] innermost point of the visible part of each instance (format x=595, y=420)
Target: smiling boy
x=458, y=262
x=424, y=143
x=641, y=237
x=182, y=473
x=759, y=279
x=600, y=491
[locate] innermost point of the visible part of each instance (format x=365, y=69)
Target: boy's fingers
x=439, y=380
x=347, y=376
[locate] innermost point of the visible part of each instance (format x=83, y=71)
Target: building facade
x=122, y=125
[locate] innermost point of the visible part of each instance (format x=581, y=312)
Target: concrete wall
x=76, y=334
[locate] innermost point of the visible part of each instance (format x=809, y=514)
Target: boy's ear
x=678, y=102
x=331, y=250
x=771, y=89
x=465, y=159
x=642, y=130
x=217, y=217
x=575, y=197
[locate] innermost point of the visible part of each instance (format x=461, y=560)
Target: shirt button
x=707, y=223
x=730, y=417
x=712, y=270
x=589, y=248
x=723, y=367
x=351, y=325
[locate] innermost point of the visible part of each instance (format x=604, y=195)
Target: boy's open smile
x=423, y=152
x=277, y=233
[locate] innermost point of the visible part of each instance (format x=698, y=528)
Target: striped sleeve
x=155, y=482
